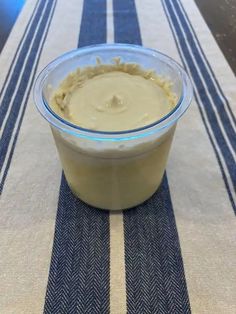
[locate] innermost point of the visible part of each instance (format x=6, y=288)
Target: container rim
x=72, y=129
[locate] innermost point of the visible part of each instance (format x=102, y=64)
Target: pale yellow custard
x=113, y=97
x=106, y=174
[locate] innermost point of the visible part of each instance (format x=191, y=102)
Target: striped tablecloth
x=173, y=254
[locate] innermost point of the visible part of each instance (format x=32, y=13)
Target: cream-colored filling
x=115, y=98
x=113, y=175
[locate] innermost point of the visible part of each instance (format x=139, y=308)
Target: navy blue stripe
x=79, y=274
x=218, y=87
x=186, y=59
x=223, y=96
x=125, y=15
x=217, y=101
x=155, y=281
x=17, y=102
x=18, y=47
x=154, y=268
x=19, y=65
x=93, y=30
x=79, y=270
x=2, y=182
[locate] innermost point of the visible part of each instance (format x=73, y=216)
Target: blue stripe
x=19, y=65
x=93, y=30
x=79, y=271
x=187, y=60
x=125, y=15
x=154, y=268
x=219, y=90
x=12, y=149
x=79, y=274
x=17, y=102
x=217, y=102
x=155, y=281
x=18, y=47
x=218, y=87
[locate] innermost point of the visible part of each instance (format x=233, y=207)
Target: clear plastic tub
x=113, y=170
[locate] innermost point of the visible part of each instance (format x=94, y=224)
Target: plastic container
x=113, y=170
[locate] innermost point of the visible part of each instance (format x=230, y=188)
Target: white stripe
x=229, y=144
x=117, y=255
x=117, y=264
x=228, y=178
x=18, y=51
x=14, y=95
x=110, y=22
x=24, y=99
x=158, y=36
x=219, y=92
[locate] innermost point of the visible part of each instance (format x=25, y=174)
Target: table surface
x=220, y=16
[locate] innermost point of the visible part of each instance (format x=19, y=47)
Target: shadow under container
x=113, y=170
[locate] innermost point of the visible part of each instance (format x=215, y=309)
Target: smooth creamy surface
x=124, y=97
